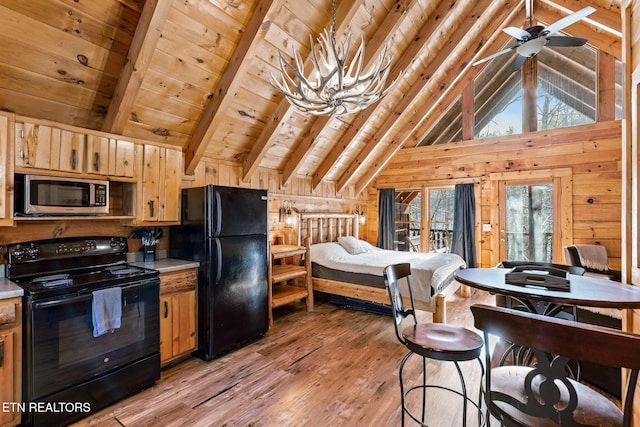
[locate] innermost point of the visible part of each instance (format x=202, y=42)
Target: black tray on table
x=549, y=278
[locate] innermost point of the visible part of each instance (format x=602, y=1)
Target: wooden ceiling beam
x=374, y=48
x=597, y=37
x=496, y=42
x=607, y=12
x=143, y=45
x=344, y=14
x=459, y=40
x=456, y=69
x=420, y=40
x=219, y=101
x=500, y=66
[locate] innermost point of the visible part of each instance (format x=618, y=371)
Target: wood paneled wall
x=592, y=152
x=299, y=193
x=631, y=137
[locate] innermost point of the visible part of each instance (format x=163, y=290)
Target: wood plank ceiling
x=195, y=73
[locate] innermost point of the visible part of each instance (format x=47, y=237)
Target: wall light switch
x=486, y=227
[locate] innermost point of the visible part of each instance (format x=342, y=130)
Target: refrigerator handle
x=219, y=260
x=218, y=217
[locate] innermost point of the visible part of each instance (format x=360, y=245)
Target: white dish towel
x=106, y=310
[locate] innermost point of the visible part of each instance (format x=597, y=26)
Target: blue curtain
x=386, y=218
x=464, y=215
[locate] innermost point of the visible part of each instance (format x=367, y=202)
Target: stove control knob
x=32, y=251
x=17, y=252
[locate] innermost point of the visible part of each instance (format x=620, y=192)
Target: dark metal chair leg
x=403, y=403
x=424, y=387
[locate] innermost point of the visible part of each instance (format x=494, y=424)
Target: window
x=410, y=221
x=441, y=204
x=448, y=128
x=529, y=222
x=566, y=87
x=497, y=100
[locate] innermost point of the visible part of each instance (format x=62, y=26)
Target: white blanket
x=428, y=270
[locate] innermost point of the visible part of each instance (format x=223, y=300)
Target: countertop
x=8, y=289
x=165, y=265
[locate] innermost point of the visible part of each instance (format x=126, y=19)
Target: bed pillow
x=351, y=245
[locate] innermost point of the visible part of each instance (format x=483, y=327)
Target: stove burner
x=53, y=280
x=50, y=278
x=59, y=282
x=120, y=271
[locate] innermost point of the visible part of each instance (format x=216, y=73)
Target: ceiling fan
x=533, y=39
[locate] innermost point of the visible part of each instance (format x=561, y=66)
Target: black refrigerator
x=225, y=229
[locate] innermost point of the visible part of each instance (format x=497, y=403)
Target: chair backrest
x=593, y=258
x=565, y=338
x=571, y=256
x=394, y=275
x=571, y=269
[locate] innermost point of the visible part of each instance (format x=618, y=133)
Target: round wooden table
x=584, y=291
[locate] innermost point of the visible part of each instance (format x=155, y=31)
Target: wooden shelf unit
x=289, y=265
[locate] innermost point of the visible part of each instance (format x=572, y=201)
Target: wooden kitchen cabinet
x=10, y=359
x=178, y=314
x=290, y=265
x=6, y=171
x=160, y=195
x=45, y=147
x=110, y=156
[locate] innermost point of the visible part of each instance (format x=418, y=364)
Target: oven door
x=62, y=351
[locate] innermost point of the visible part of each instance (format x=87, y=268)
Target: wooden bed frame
x=318, y=227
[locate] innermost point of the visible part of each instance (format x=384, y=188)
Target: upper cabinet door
x=160, y=184
x=33, y=145
x=72, y=145
x=110, y=156
x=45, y=147
x=121, y=158
x=97, y=155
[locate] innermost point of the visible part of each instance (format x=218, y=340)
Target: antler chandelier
x=333, y=86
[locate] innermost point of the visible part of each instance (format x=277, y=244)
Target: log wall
x=593, y=154
x=299, y=193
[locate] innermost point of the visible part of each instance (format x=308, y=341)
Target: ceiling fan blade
x=568, y=20
x=562, y=41
x=517, y=33
x=490, y=57
x=517, y=64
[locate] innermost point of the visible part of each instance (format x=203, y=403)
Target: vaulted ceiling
x=195, y=73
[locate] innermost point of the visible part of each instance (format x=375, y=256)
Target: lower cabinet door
x=177, y=324
x=7, y=377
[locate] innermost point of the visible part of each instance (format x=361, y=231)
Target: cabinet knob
x=166, y=309
x=152, y=209
x=74, y=159
x=96, y=161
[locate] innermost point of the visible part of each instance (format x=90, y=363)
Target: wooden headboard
x=320, y=227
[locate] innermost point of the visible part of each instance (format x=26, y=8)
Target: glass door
x=527, y=221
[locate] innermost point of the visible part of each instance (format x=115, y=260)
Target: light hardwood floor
x=333, y=367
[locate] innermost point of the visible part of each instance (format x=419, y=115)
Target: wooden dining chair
x=436, y=341
x=542, y=394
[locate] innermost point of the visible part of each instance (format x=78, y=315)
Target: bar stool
x=435, y=341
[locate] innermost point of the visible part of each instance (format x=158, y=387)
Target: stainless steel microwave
x=41, y=195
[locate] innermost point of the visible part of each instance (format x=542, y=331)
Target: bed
x=347, y=267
